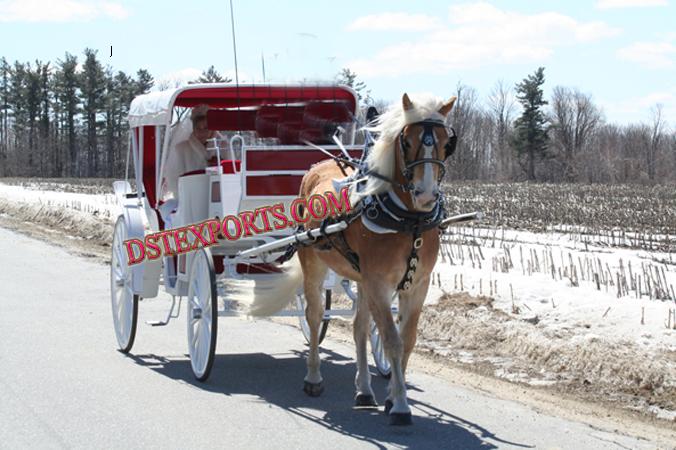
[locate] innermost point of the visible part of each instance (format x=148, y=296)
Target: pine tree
x=18, y=105
x=111, y=102
x=144, y=82
x=92, y=87
x=124, y=85
x=48, y=158
x=530, y=133
x=5, y=70
x=211, y=75
x=33, y=109
x=349, y=78
x=66, y=93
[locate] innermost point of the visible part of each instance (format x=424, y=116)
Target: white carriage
x=260, y=161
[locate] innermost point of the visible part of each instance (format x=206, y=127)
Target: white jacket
x=185, y=157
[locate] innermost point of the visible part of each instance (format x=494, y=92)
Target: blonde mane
x=382, y=156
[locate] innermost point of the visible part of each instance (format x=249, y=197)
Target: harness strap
x=412, y=263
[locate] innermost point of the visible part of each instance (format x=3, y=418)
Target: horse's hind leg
x=314, y=272
x=362, y=321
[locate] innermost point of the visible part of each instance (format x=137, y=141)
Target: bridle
x=428, y=140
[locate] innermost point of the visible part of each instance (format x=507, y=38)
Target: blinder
x=451, y=143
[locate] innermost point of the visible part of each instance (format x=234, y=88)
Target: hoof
x=400, y=419
x=388, y=406
x=365, y=401
x=313, y=389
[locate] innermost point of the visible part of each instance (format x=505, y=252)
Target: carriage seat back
x=273, y=175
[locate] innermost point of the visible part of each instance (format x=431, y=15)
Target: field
x=569, y=287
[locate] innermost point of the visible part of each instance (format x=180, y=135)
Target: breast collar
x=386, y=213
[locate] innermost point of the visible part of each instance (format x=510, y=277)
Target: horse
x=405, y=167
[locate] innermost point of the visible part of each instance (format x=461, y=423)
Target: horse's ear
x=446, y=107
x=406, y=102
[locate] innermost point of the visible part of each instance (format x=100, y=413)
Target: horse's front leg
x=364, y=397
x=410, y=307
x=314, y=272
x=379, y=298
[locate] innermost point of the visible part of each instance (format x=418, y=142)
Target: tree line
x=68, y=119
x=561, y=139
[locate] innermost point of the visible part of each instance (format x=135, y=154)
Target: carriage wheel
x=124, y=302
x=304, y=325
x=202, y=314
x=382, y=364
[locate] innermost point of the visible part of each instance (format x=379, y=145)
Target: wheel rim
x=201, y=320
x=123, y=300
x=382, y=364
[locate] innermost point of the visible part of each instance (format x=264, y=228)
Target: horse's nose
x=423, y=197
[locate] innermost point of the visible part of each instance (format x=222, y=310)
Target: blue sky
x=622, y=52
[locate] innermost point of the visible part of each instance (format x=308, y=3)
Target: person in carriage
x=186, y=155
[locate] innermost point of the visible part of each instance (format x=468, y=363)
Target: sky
x=621, y=52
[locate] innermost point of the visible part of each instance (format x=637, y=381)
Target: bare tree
x=656, y=135
x=501, y=105
x=464, y=164
x=574, y=119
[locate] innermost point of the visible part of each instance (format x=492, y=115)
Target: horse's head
x=423, y=145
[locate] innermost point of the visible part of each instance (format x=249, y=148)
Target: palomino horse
x=408, y=162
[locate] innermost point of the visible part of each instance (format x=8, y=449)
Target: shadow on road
x=278, y=379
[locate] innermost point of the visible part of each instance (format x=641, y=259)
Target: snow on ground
x=549, y=322
x=556, y=304
x=101, y=205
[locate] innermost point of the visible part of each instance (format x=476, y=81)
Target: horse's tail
x=271, y=295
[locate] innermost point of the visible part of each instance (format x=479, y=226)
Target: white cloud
x=612, y=4
x=114, y=10
x=394, y=22
x=638, y=108
x=655, y=55
x=480, y=34
x=59, y=10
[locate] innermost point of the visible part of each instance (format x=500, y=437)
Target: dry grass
x=538, y=207
x=468, y=330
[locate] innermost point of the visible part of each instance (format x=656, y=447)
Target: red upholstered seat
x=227, y=165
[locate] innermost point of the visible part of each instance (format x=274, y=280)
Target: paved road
x=62, y=384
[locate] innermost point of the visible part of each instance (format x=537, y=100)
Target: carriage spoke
x=122, y=308
x=118, y=273
x=119, y=256
x=204, y=337
x=199, y=346
x=193, y=340
x=205, y=282
x=120, y=305
x=129, y=290
x=197, y=293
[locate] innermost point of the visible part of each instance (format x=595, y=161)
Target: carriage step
x=173, y=313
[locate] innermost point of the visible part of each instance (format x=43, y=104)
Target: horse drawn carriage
x=275, y=144
x=260, y=158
